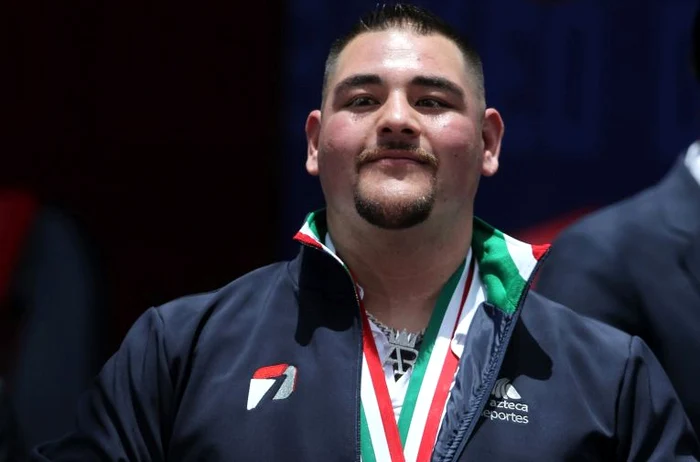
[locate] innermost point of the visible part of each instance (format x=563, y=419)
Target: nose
x=398, y=117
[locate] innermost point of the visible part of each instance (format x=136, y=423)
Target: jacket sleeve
x=584, y=275
x=651, y=423
x=124, y=415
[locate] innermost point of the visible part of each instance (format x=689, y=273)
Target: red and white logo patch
x=266, y=377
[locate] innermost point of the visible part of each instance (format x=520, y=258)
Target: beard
x=393, y=214
x=398, y=213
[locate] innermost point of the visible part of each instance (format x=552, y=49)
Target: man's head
x=407, y=17
x=403, y=134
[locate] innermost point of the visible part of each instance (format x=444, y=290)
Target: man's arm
x=651, y=423
x=125, y=415
x=588, y=276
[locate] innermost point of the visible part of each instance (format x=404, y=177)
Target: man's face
x=399, y=137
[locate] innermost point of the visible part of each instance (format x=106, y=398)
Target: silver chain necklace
x=404, y=347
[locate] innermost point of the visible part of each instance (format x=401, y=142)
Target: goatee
x=395, y=216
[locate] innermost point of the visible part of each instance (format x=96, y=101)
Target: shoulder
x=569, y=332
x=597, y=241
x=243, y=295
x=607, y=222
x=182, y=325
x=194, y=327
x=613, y=222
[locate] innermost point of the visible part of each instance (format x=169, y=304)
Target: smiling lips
x=400, y=155
x=417, y=155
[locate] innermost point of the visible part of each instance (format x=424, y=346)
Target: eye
x=361, y=101
x=431, y=103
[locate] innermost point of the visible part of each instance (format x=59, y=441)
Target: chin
x=394, y=213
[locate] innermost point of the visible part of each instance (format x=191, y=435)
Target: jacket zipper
x=467, y=426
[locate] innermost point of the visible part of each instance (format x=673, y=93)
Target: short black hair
x=413, y=18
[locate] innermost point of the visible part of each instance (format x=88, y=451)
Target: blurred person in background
x=52, y=335
x=636, y=265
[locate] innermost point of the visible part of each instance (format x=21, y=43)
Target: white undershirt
x=692, y=160
x=397, y=388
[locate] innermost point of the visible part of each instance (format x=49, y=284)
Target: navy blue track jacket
x=179, y=387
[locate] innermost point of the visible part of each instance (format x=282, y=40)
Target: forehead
x=400, y=50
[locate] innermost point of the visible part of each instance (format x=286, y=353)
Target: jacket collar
x=505, y=263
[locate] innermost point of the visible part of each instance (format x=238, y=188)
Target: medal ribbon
x=413, y=437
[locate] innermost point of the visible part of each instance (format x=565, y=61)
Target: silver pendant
x=402, y=358
x=404, y=348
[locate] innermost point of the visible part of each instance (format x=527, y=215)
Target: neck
x=402, y=272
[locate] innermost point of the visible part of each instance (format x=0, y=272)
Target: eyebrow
x=428, y=81
x=357, y=80
x=438, y=83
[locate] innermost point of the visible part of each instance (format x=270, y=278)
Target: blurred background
x=152, y=150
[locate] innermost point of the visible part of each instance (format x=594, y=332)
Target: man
x=404, y=330
x=636, y=265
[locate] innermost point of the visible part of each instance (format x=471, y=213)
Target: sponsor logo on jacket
x=505, y=404
x=266, y=378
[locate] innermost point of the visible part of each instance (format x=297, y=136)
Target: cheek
x=338, y=148
x=340, y=134
x=458, y=147
x=456, y=142
x=340, y=143
x=458, y=129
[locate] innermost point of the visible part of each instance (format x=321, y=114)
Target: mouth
x=399, y=155
x=396, y=156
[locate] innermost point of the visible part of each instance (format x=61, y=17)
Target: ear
x=491, y=133
x=313, y=129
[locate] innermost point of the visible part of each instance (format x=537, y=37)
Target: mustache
x=371, y=155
